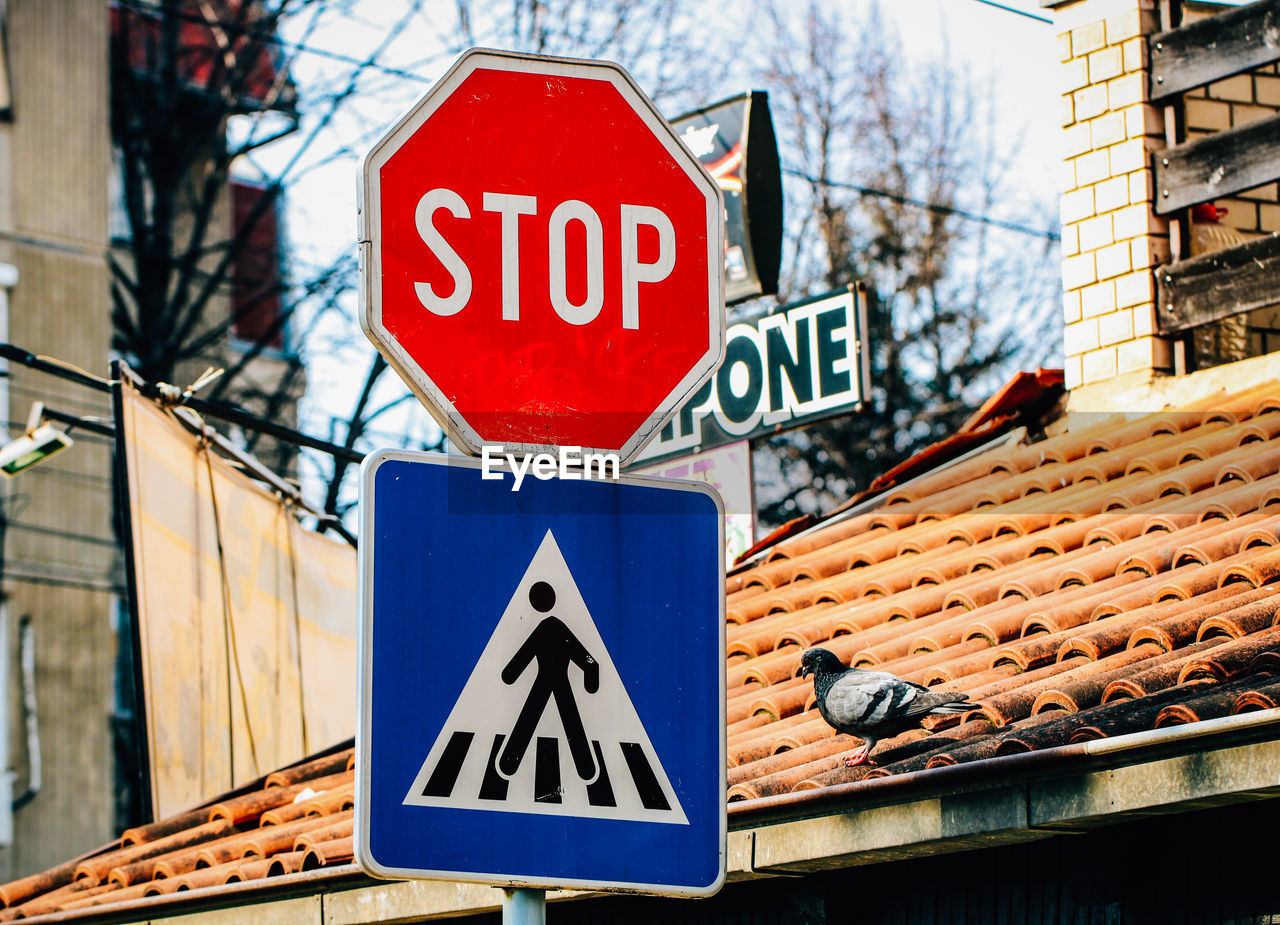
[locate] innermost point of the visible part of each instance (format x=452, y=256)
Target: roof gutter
x=783, y=807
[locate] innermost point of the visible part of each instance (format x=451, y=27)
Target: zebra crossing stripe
x=646, y=784
x=547, y=771
x=494, y=785
x=599, y=791
x=445, y=774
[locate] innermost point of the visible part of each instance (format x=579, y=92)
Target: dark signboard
x=797, y=364
x=734, y=140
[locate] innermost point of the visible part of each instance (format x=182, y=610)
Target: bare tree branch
x=897, y=157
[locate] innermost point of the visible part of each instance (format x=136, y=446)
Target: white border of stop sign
x=455, y=425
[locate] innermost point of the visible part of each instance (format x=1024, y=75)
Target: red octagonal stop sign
x=542, y=257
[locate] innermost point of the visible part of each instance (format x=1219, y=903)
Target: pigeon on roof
x=871, y=704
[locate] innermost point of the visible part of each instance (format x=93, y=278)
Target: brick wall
x=1112, y=239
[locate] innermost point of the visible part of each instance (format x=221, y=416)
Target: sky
x=1014, y=53
x=1018, y=53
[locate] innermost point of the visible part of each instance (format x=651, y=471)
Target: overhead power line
x=220, y=410
x=269, y=38
x=1010, y=9
x=921, y=204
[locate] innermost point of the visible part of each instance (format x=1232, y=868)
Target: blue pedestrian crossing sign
x=542, y=679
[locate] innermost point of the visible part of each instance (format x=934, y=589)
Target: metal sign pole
x=524, y=907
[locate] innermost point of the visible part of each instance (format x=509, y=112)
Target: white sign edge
x=370, y=284
x=363, y=776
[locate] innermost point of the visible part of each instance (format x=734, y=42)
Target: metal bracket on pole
x=524, y=907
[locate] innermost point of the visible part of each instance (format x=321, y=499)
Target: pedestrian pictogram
x=544, y=723
x=554, y=648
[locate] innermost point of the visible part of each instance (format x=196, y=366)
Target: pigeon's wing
x=869, y=698
x=883, y=677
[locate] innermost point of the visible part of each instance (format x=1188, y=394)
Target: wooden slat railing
x=1210, y=287
x=1219, y=285
x=1220, y=165
x=1230, y=43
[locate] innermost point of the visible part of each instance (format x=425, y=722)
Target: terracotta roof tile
x=286, y=862
x=1156, y=673
x=1104, y=571
x=294, y=819
x=216, y=875
x=251, y=806
x=96, y=869
x=323, y=803
x=1264, y=696
x=1213, y=702
x=1121, y=575
x=329, y=853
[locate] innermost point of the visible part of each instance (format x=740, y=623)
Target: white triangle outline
x=487, y=707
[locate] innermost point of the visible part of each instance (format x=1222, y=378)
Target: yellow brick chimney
x=1111, y=239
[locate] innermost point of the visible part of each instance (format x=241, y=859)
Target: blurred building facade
x=60, y=561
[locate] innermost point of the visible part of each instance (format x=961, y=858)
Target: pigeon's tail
x=957, y=704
